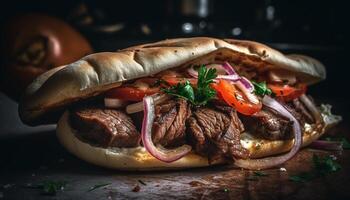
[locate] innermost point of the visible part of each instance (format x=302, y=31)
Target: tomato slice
x=235, y=98
x=130, y=93
x=175, y=80
x=286, y=92
x=135, y=92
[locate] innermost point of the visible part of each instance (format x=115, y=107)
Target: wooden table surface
x=30, y=159
x=40, y=157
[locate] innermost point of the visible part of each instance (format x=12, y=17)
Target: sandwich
x=182, y=103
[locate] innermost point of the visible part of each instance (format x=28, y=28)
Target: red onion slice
x=192, y=72
x=264, y=163
x=234, y=77
x=327, y=145
x=247, y=84
x=231, y=73
x=312, y=108
x=162, y=154
x=251, y=97
x=228, y=68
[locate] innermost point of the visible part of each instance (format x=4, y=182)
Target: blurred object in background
x=189, y=17
x=315, y=28
x=89, y=17
x=35, y=43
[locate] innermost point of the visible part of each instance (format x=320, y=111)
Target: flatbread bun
x=138, y=159
x=48, y=96
x=51, y=93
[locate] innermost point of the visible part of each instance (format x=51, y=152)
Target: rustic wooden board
x=37, y=158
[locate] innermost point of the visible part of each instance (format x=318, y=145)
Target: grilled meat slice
x=270, y=125
x=105, y=127
x=215, y=132
x=169, y=125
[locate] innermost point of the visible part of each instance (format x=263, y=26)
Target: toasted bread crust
x=99, y=72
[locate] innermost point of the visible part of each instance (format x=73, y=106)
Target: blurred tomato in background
x=35, y=43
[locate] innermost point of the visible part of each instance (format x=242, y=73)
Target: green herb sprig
x=51, y=187
x=199, y=95
x=322, y=166
x=48, y=187
x=256, y=174
x=261, y=88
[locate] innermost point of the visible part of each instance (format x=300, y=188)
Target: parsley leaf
x=325, y=165
x=204, y=92
x=51, y=187
x=322, y=167
x=197, y=96
x=344, y=141
x=257, y=173
x=182, y=90
x=261, y=88
x=48, y=187
x=98, y=186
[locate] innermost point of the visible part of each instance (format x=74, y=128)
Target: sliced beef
x=215, y=132
x=169, y=124
x=105, y=127
x=299, y=107
x=267, y=124
x=270, y=125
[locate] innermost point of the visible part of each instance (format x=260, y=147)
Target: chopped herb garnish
x=261, y=88
x=182, y=90
x=344, y=141
x=322, y=167
x=257, y=173
x=48, y=187
x=51, y=187
x=302, y=177
x=325, y=165
x=204, y=92
x=199, y=95
x=143, y=183
x=98, y=186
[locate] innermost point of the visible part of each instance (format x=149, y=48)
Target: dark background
x=315, y=28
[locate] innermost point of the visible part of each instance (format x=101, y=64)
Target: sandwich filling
x=204, y=109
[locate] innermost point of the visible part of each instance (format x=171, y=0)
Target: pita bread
x=55, y=90
x=96, y=73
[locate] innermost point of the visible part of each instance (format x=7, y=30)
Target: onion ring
x=264, y=163
x=159, y=152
